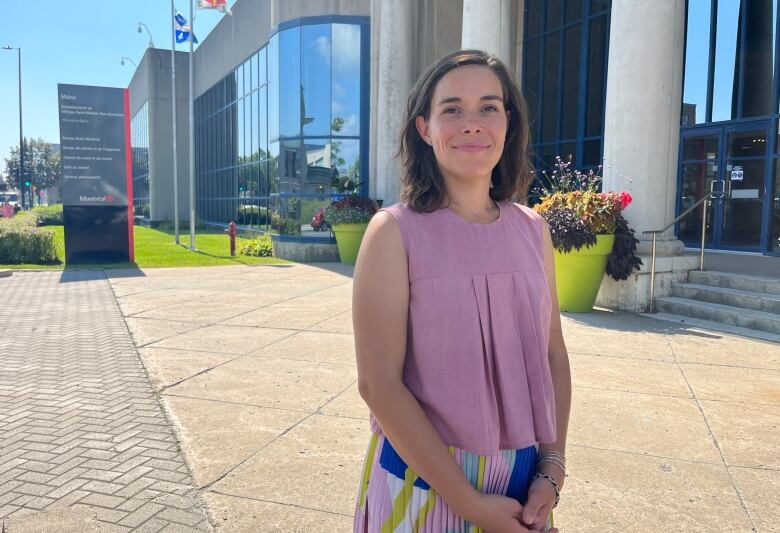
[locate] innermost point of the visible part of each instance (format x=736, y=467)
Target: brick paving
x=79, y=424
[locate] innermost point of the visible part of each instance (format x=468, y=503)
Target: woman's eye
x=490, y=108
x=450, y=110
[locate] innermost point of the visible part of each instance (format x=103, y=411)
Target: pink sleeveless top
x=479, y=323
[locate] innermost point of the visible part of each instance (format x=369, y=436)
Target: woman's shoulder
x=525, y=212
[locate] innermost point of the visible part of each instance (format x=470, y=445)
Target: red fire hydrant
x=231, y=230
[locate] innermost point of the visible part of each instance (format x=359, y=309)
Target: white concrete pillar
x=642, y=115
x=641, y=139
x=395, y=78
x=487, y=25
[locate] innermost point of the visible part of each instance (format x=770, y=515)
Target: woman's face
x=467, y=123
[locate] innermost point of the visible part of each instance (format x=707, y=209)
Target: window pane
x=701, y=148
x=290, y=82
x=273, y=88
x=289, y=166
x=571, y=82
x=531, y=78
x=697, y=53
x=315, y=79
x=552, y=45
x=346, y=160
x=594, y=111
x=262, y=122
x=346, y=80
x=319, y=171
x=598, y=5
x=534, y=14
x=724, y=103
x=759, y=57
x=553, y=19
x=775, y=234
x=240, y=131
x=591, y=153
x=573, y=10
x=262, y=75
x=273, y=167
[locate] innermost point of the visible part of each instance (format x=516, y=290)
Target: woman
x=460, y=354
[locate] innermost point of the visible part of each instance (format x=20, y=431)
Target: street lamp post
x=21, y=134
x=145, y=27
x=122, y=62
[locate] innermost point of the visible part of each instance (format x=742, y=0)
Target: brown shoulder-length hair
x=422, y=181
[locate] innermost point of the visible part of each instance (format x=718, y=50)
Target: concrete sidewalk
x=671, y=429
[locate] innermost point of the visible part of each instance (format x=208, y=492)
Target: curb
x=5, y=273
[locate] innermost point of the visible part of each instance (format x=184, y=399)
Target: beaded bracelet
x=554, y=484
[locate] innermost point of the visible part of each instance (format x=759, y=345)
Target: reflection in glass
x=741, y=222
x=315, y=79
x=700, y=148
x=747, y=144
x=696, y=180
x=290, y=97
x=591, y=153
x=697, y=53
x=345, y=87
x=273, y=88
x=726, y=81
x=759, y=36
x=534, y=15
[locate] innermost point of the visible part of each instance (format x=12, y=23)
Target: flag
x=214, y=4
x=182, y=29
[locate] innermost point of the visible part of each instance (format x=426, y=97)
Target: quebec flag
x=182, y=29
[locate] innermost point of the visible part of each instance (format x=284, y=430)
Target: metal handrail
x=682, y=215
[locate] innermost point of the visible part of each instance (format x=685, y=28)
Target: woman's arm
x=541, y=494
x=380, y=307
x=559, y=364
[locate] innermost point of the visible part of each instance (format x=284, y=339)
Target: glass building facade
x=729, y=124
x=139, y=145
x=286, y=132
x=564, y=79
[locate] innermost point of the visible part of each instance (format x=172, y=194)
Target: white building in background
x=682, y=97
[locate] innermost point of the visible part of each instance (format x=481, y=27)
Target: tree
x=41, y=166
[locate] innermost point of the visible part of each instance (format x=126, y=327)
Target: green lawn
x=156, y=248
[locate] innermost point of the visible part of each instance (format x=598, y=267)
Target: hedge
x=49, y=215
x=21, y=241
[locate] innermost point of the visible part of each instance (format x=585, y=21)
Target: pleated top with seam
x=478, y=327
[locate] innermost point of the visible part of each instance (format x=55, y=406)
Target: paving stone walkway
x=84, y=443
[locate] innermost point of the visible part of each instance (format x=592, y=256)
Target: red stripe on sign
x=129, y=178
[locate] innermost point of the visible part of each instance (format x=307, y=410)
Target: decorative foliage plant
x=352, y=209
x=576, y=212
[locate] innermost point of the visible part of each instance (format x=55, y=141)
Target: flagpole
x=192, y=140
x=173, y=104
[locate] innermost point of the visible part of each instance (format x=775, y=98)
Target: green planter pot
x=578, y=274
x=348, y=239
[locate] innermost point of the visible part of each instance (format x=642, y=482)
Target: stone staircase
x=736, y=303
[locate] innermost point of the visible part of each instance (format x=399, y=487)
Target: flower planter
x=348, y=239
x=578, y=274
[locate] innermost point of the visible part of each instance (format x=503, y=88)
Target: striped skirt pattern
x=393, y=499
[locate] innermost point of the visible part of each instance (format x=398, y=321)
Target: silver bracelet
x=556, y=462
x=554, y=484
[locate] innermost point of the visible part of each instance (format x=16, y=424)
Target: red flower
x=625, y=199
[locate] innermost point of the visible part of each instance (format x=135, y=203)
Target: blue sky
x=79, y=43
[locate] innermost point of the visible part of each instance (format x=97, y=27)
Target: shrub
x=23, y=219
x=49, y=215
x=258, y=247
x=27, y=245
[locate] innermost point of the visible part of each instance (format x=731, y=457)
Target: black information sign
x=96, y=173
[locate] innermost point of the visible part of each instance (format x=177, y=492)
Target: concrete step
x=740, y=282
x=714, y=326
x=724, y=314
x=759, y=301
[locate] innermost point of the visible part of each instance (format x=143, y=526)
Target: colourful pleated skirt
x=393, y=499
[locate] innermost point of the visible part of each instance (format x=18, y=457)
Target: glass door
x=731, y=163
x=740, y=208
x=700, y=171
